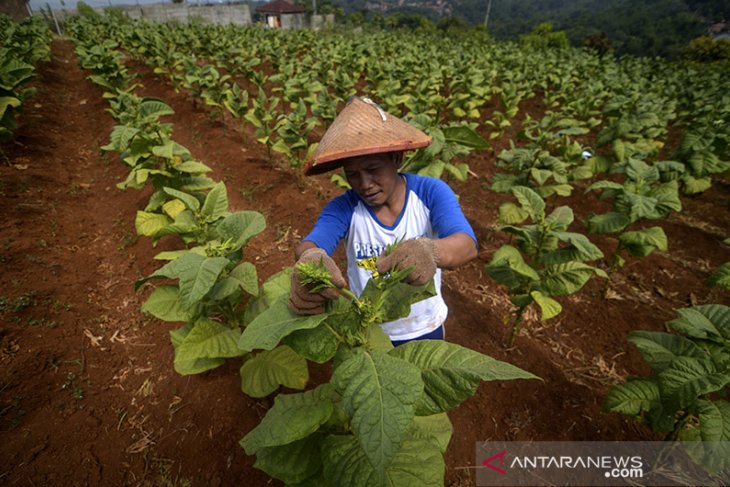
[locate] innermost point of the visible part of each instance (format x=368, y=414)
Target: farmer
x=383, y=206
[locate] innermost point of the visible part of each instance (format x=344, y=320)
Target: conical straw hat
x=361, y=128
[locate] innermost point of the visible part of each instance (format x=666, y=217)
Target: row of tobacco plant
x=381, y=419
x=22, y=47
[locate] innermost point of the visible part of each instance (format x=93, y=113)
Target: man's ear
x=398, y=158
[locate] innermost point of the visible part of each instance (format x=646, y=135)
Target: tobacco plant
x=262, y=115
x=548, y=260
x=687, y=395
x=642, y=195
x=144, y=143
x=14, y=74
x=700, y=150
x=212, y=283
x=450, y=143
x=721, y=277
x=535, y=168
x=292, y=130
x=381, y=420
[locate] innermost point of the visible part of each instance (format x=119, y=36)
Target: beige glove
x=301, y=300
x=420, y=253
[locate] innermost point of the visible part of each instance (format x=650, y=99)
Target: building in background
x=281, y=14
x=16, y=9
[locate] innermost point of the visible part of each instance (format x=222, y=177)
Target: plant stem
x=678, y=425
x=516, y=325
x=611, y=270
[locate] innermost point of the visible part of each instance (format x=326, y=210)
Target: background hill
x=638, y=27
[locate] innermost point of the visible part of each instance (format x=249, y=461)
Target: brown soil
x=88, y=395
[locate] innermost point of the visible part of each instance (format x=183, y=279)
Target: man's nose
x=366, y=181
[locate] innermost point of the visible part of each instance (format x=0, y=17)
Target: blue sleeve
x=446, y=215
x=333, y=223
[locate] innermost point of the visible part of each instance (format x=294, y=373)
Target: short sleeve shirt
x=431, y=210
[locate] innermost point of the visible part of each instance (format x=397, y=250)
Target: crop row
x=22, y=47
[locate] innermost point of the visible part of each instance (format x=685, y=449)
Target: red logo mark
x=500, y=457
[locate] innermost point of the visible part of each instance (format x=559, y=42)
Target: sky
x=71, y=4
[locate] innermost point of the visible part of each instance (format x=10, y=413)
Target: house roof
x=281, y=7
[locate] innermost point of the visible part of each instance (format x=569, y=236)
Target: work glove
x=420, y=253
x=301, y=300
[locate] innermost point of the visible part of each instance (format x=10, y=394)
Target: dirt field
x=88, y=395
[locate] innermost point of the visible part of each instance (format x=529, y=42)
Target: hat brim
x=335, y=160
x=363, y=128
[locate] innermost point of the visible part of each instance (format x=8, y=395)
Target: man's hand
x=420, y=253
x=301, y=300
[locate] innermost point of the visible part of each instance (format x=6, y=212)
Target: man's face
x=373, y=177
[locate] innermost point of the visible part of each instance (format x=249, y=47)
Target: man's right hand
x=301, y=300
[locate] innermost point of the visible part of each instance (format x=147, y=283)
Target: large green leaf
x=721, y=277
x=264, y=373
x=687, y=378
x=638, y=206
x=192, y=167
x=612, y=222
x=190, y=201
x=246, y=277
x=150, y=224
x=659, y=349
x=198, y=274
x=694, y=185
x=643, y=242
x=275, y=287
x=451, y=373
x=417, y=463
x=633, y=397
x=268, y=328
x=715, y=421
x=164, y=304
x=667, y=196
x=208, y=341
x=507, y=267
x=564, y=279
x=121, y=136
x=215, y=205
x=316, y=344
x=294, y=462
x=560, y=218
x=291, y=418
x=466, y=136
x=240, y=227
x=511, y=214
x=436, y=426
x=152, y=108
x=579, y=248
x=709, y=445
x=549, y=308
x=530, y=201
x=605, y=185
x=709, y=321
x=13, y=102
x=379, y=393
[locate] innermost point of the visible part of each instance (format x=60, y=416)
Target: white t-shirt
x=431, y=210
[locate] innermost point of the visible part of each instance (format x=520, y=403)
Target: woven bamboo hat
x=361, y=128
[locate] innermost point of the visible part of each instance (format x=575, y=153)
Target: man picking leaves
x=384, y=207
